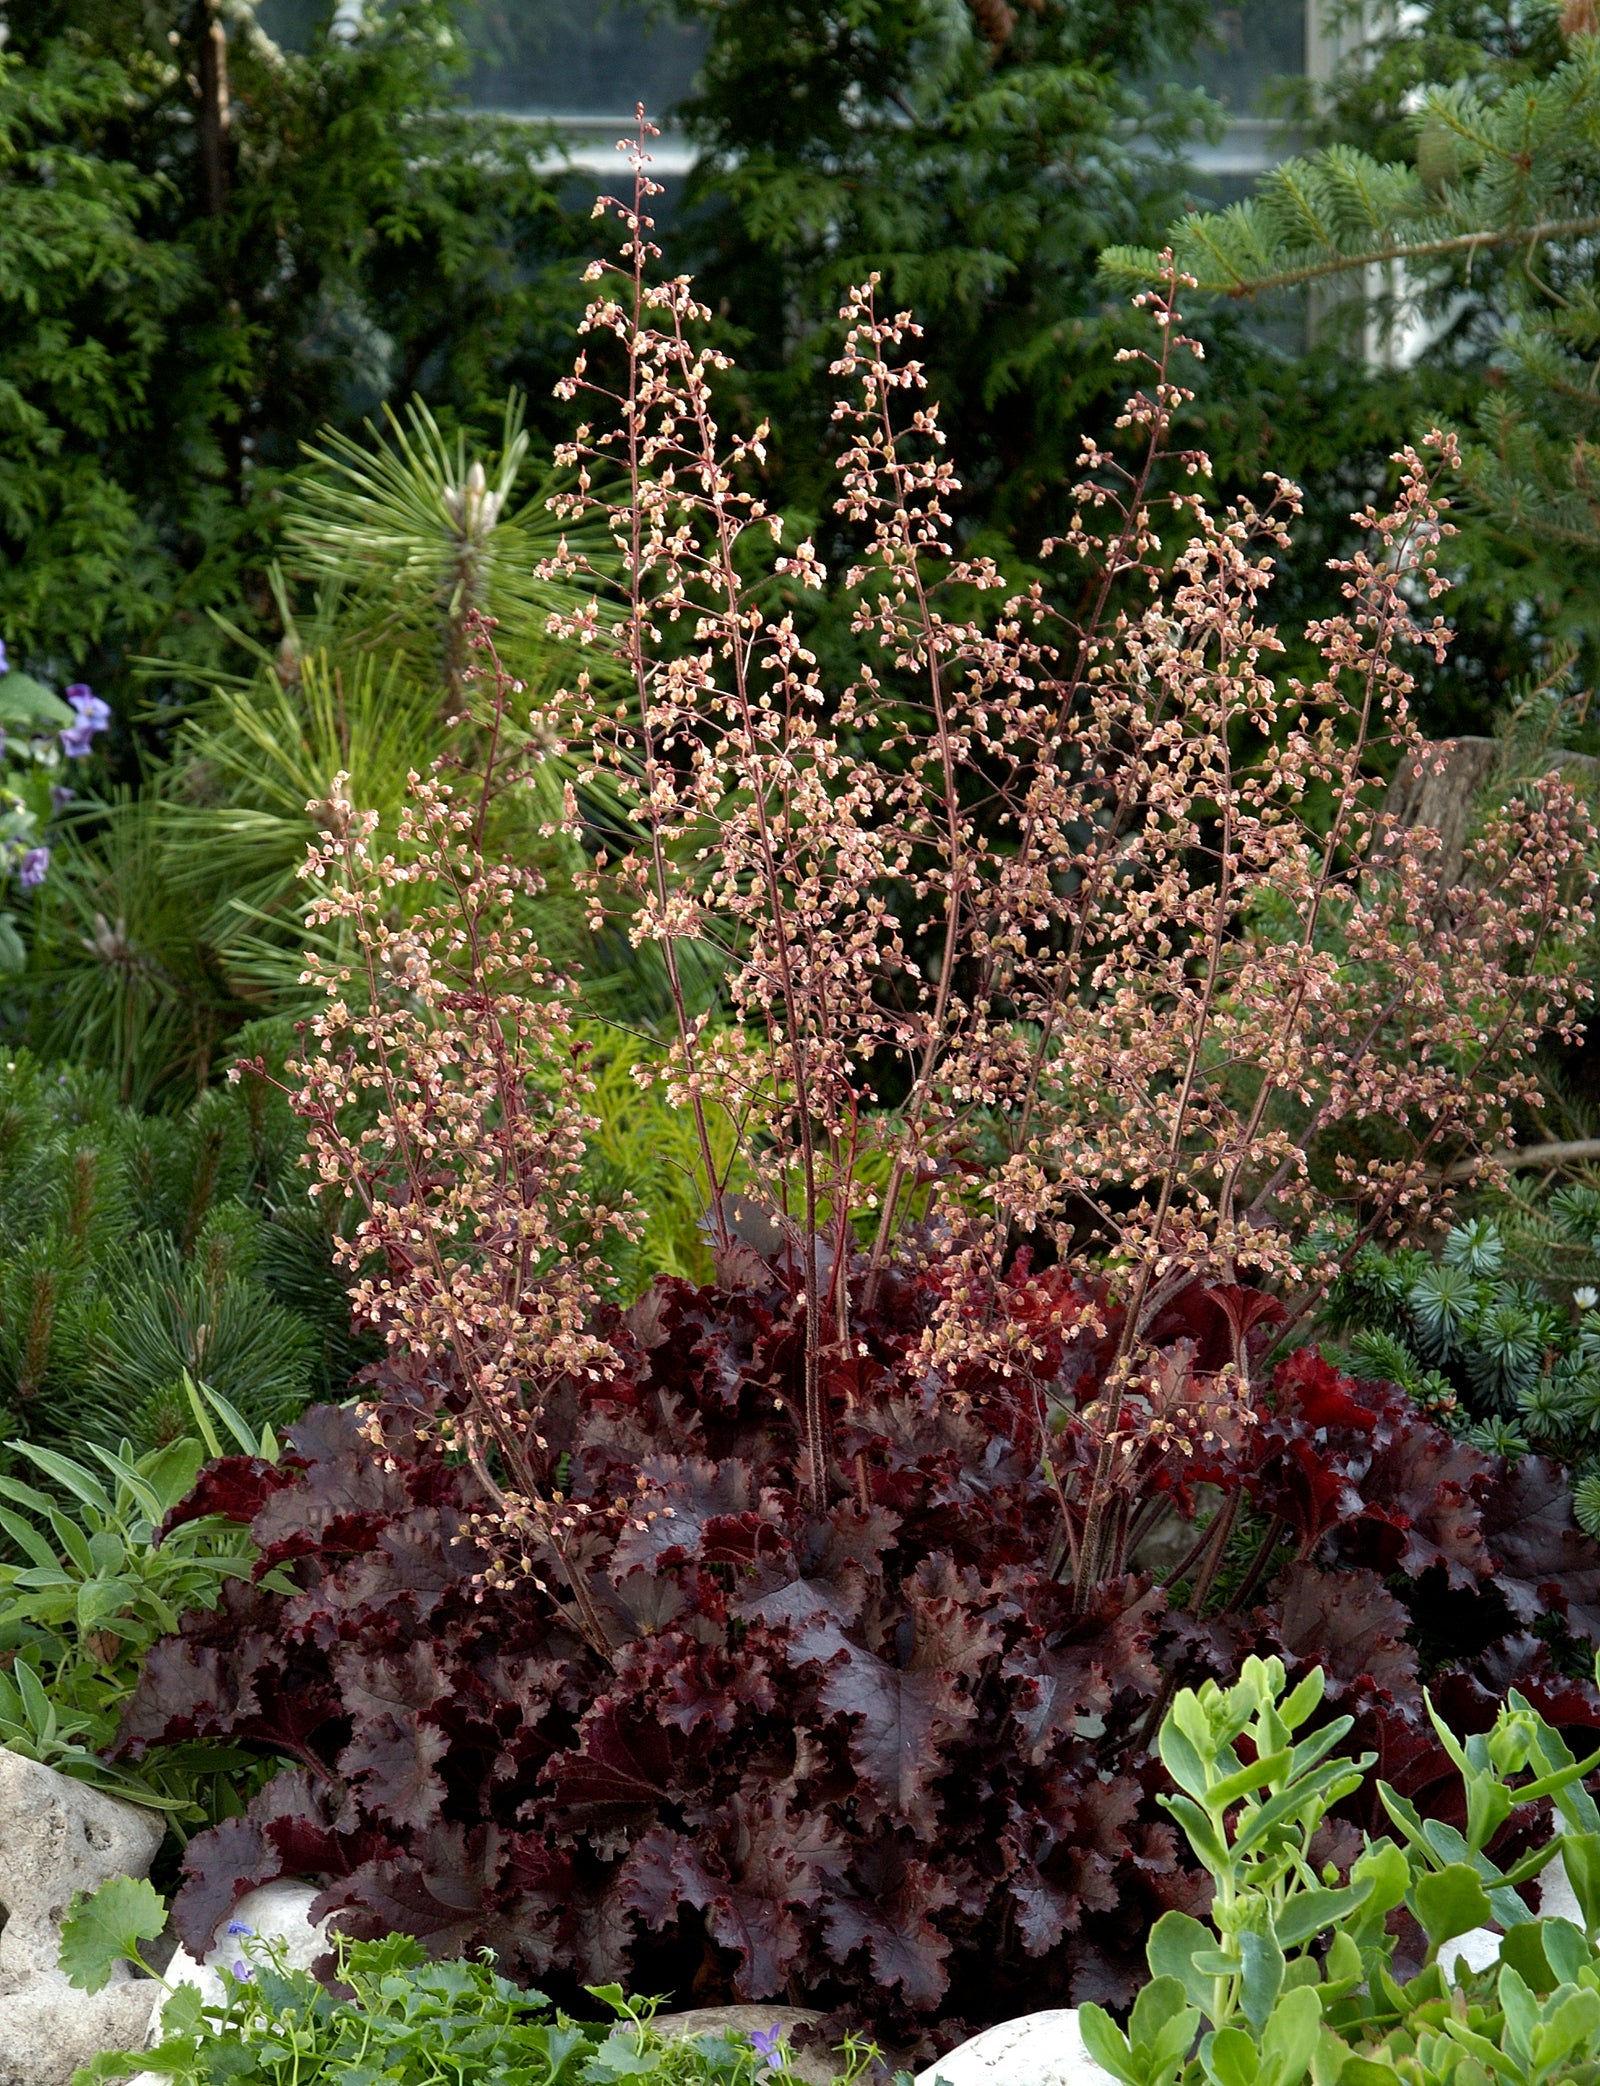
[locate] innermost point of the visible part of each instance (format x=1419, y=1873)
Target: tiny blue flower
x=242, y=1972
x=92, y=709
x=237, y=1926
x=767, y=2043
x=34, y=868
x=5, y=663
x=94, y=715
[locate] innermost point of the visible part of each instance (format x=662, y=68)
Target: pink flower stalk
x=1110, y=903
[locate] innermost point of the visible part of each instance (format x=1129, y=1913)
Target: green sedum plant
x=1300, y=1968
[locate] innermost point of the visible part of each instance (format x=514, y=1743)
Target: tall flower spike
x=1155, y=1002
x=442, y=1089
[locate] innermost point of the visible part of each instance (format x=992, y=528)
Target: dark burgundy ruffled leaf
x=622, y=1769
x=1352, y=1627
x=699, y=1510
x=882, y=1748
x=903, y=1714
x=1524, y=1663
x=753, y=1871
x=1086, y=1662
x=446, y=1890
x=235, y=1488
x=393, y=1754
x=219, y=1867
x=1420, y=1508
x=230, y=1673
x=291, y=1828
x=890, y=1920
x=1542, y=1559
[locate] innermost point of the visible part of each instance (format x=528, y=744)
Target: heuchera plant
x=882, y=1749
x=808, y=1632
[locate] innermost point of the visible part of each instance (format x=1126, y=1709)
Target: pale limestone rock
x=277, y=1912
x=1557, y=1898
x=1044, y=2049
x=814, y=2066
x=1481, y=1946
x=1474, y=1950
x=58, y=1837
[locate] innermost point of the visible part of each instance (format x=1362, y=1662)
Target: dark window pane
x=1252, y=43
x=550, y=57
x=292, y=23
x=572, y=58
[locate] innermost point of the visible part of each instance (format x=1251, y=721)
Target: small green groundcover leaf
x=1449, y=1902
x=107, y=1928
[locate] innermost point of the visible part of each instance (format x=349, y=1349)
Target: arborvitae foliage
x=134, y=1248
x=208, y=249
x=1472, y=218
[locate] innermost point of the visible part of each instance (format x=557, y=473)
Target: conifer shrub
x=136, y=1247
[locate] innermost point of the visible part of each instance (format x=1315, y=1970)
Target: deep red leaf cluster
x=873, y=1753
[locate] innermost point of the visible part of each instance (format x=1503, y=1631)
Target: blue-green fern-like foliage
x=1499, y=1335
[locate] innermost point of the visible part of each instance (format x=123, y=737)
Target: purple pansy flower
x=242, y=1971
x=60, y=796
x=34, y=868
x=767, y=2044
x=94, y=715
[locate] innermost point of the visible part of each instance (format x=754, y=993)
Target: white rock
x=277, y=1912
x=1481, y=1946
x=1044, y=2049
x=813, y=2067
x=58, y=1837
x=1477, y=1949
x=1557, y=1898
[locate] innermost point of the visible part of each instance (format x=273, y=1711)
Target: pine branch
x=1230, y=277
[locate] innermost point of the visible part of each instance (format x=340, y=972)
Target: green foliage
x=180, y=309
x=1294, y=1975
x=175, y=913
x=1499, y=1336
x=32, y=718
x=1480, y=223
x=981, y=169
x=135, y=1249
x=397, y=2017
x=645, y=1145
x=92, y=1590
x=978, y=167
x=105, y=1928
